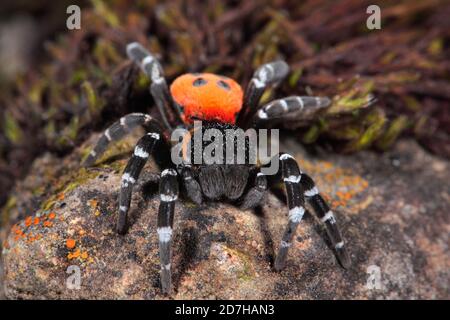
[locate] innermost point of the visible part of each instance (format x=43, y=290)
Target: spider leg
x=192, y=187
x=117, y=131
x=168, y=191
x=291, y=175
x=148, y=63
x=256, y=194
x=325, y=214
x=267, y=74
x=144, y=148
x=294, y=107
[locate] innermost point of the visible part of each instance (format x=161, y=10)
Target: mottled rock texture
x=393, y=210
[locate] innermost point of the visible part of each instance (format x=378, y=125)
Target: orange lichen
x=31, y=238
x=330, y=178
x=51, y=215
x=70, y=243
x=48, y=224
x=84, y=255
x=28, y=221
x=74, y=255
x=93, y=203
x=36, y=221
x=61, y=196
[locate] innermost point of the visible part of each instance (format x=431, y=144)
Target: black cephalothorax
x=243, y=185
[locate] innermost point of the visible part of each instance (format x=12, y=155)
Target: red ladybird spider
x=220, y=103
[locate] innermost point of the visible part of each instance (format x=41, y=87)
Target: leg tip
x=131, y=47
x=344, y=258
x=325, y=102
x=279, y=266
x=121, y=229
x=198, y=200
x=88, y=162
x=136, y=52
x=121, y=226
x=166, y=292
x=166, y=283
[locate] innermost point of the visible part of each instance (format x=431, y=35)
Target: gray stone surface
x=393, y=210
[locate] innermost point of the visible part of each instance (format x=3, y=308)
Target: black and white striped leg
x=117, y=131
x=144, y=148
x=168, y=190
x=325, y=214
x=193, y=189
x=160, y=91
x=294, y=107
x=291, y=175
x=268, y=74
x=256, y=194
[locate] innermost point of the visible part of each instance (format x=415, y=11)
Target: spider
x=220, y=103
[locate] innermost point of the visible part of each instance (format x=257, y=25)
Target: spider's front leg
x=327, y=217
x=168, y=191
x=294, y=109
x=291, y=108
x=266, y=75
x=298, y=186
x=148, y=63
x=291, y=176
x=119, y=130
x=256, y=193
x=192, y=187
x=144, y=148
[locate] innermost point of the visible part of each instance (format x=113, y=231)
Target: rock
x=392, y=209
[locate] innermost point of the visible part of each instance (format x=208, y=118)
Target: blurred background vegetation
x=57, y=86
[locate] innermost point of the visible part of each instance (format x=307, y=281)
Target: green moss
x=6, y=211
x=102, y=10
x=391, y=134
x=69, y=133
x=67, y=184
x=355, y=95
x=312, y=134
x=95, y=103
x=295, y=77
x=247, y=273
x=436, y=46
x=374, y=122
x=12, y=129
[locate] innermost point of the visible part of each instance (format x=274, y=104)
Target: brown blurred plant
x=86, y=81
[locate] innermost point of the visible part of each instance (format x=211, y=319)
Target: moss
x=103, y=11
x=436, y=46
x=11, y=204
x=247, y=272
x=295, y=77
x=374, y=121
x=390, y=135
x=12, y=129
x=312, y=134
x=94, y=102
x=355, y=94
x=67, y=184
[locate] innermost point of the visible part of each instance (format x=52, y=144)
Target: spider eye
x=199, y=82
x=223, y=85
